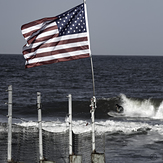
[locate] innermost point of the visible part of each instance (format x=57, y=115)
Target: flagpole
x=93, y=100
x=86, y=18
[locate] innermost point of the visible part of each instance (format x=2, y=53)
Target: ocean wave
x=101, y=127
x=151, y=108
x=133, y=107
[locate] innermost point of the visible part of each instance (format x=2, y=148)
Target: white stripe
x=41, y=29
x=56, y=39
x=63, y=55
x=48, y=33
x=51, y=24
x=54, y=48
x=38, y=26
x=27, y=30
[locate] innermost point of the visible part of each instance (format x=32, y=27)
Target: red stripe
x=41, y=30
x=43, y=39
x=35, y=40
x=59, y=52
x=58, y=60
x=55, y=44
x=36, y=22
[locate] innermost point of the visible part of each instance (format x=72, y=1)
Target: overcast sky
x=116, y=26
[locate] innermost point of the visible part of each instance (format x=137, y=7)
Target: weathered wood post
x=92, y=111
x=9, y=159
x=40, y=126
x=73, y=158
x=70, y=124
x=41, y=158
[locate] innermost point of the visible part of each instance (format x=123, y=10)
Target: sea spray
x=137, y=108
x=159, y=112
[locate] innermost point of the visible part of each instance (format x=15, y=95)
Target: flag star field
x=72, y=22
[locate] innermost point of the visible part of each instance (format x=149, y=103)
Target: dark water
x=135, y=82
x=135, y=77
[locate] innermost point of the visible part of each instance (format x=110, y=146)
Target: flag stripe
x=56, y=52
x=58, y=56
x=52, y=44
x=43, y=39
x=36, y=37
x=32, y=28
x=54, y=39
x=36, y=32
x=53, y=48
x=47, y=49
x=57, y=60
x=28, y=26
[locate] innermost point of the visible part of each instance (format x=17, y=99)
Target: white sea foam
x=132, y=108
x=137, y=108
x=111, y=126
x=159, y=113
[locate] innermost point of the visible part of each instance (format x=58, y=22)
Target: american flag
x=56, y=39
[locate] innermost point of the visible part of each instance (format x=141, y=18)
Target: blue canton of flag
x=72, y=21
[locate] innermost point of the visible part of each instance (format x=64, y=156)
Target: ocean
x=134, y=82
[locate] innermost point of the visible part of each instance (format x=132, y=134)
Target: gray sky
x=116, y=26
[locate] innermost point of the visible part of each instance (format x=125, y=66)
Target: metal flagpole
x=86, y=17
x=93, y=100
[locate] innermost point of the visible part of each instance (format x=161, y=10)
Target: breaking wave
x=150, y=108
x=109, y=126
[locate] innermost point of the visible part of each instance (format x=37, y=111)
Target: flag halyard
x=56, y=39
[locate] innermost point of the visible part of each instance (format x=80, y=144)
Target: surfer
x=118, y=112
x=119, y=108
